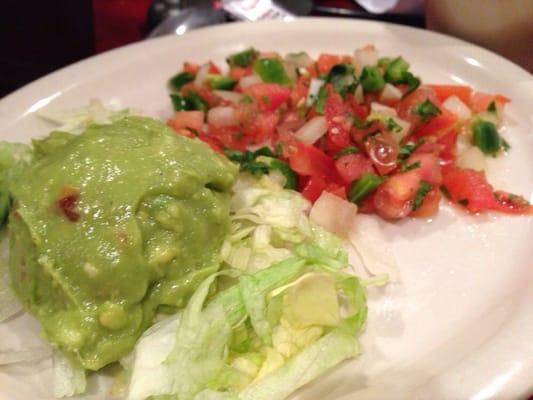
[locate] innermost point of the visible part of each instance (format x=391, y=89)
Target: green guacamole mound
x=109, y=226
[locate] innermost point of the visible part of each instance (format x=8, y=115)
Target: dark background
x=40, y=36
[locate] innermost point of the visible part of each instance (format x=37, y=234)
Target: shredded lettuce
x=262, y=338
x=69, y=378
x=9, y=304
x=268, y=222
x=76, y=120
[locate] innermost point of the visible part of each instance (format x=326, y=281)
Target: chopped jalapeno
x=362, y=187
x=220, y=82
x=396, y=70
x=180, y=103
x=342, y=78
x=371, y=79
x=271, y=70
x=178, y=80
x=196, y=101
x=485, y=136
x=242, y=59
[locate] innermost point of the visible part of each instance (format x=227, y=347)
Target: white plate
x=460, y=323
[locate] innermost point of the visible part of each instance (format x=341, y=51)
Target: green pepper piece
x=485, y=136
x=362, y=187
x=220, y=82
x=180, y=103
x=342, y=78
x=242, y=59
x=271, y=70
x=196, y=101
x=178, y=80
x=395, y=71
x=371, y=79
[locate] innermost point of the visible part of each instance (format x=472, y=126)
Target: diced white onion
x=249, y=80
x=390, y=93
x=333, y=213
x=365, y=56
x=454, y=105
x=359, y=95
x=313, y=130
x=228, y=95
x=314, y=88
x=299, y=59
x=406, y=127
x=201, y=75
x=382, y=109
x=222, y=116
x=472, y=158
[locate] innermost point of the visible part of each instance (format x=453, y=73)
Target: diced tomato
x=337, y=190
x=268, y=96
x=213, y=69
x=313, y=187
x=262, y=127
x=230, y=136
x=187, y=119
x=408, y=103
x=351, y=166
x=470, y=189
x=307, y=160
x=213, y=143
x=429, y=169
x=480, y=101
x=448, y=142
x=442, y=92
x=300, y=90
x=393, y=198
x=339, y=122
x=238, y=72
x=190, y=67
x=438, y=125
x=326, y=61
x=361, y=111
x=430, y=204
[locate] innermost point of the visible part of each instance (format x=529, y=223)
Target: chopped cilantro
x=320, y=101
x=492, y=107
x=426, y=110
x=404, y=166
x=392, y=125
x=345, y=151
x=421, y=193
x=407, y=149
x=362, y=187
x=246, y=99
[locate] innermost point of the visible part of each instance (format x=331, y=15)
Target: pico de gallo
x=360, y=126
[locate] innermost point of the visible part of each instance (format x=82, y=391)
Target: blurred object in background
x=394, y=6
x=118, y=22
x=504, y=26
x=38, y=37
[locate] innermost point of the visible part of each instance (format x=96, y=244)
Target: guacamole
x=112, y=225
